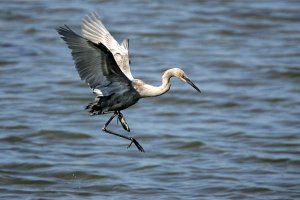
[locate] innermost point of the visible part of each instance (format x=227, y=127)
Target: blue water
x=238, y=139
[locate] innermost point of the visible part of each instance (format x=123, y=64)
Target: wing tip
x=91, y=16
x=125, y=43
x=63, y=29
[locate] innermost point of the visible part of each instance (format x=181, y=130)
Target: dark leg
x=122, y=136
x=123, y=121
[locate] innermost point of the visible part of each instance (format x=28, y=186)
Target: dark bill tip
x=192, y=84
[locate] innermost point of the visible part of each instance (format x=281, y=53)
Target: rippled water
x=238, y=139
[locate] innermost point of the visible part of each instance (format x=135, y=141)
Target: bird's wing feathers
x=94, y=30
x=95, y=64
x=125, y=44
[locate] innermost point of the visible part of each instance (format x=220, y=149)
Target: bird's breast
x=123, y=101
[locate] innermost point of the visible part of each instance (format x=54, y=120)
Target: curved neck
x=146, y=90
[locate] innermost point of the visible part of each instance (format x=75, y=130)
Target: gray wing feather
x=94, y=30
x=95, y=64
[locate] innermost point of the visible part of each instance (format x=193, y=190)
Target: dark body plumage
x=114, y=102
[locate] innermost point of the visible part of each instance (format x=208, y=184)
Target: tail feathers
x=99, y=106
x=94, y=108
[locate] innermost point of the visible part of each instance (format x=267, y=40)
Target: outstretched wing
x=95, y=64
x=94, y=30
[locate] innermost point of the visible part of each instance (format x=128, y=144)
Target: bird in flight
x=104, y=65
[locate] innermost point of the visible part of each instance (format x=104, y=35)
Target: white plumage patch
x=98, y=92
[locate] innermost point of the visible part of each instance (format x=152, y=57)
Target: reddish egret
x=104, y=65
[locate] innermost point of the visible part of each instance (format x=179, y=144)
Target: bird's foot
x=138, y=146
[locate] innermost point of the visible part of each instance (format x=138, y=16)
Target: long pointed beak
x=192, y=84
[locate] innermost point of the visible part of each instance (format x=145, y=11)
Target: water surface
x=238, y=139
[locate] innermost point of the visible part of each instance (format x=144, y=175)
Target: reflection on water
x=238, y=139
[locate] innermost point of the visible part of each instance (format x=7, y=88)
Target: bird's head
x=180, y=74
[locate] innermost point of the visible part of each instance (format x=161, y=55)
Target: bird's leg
x=123, y=121
x=139, y=147
x=111, y=118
